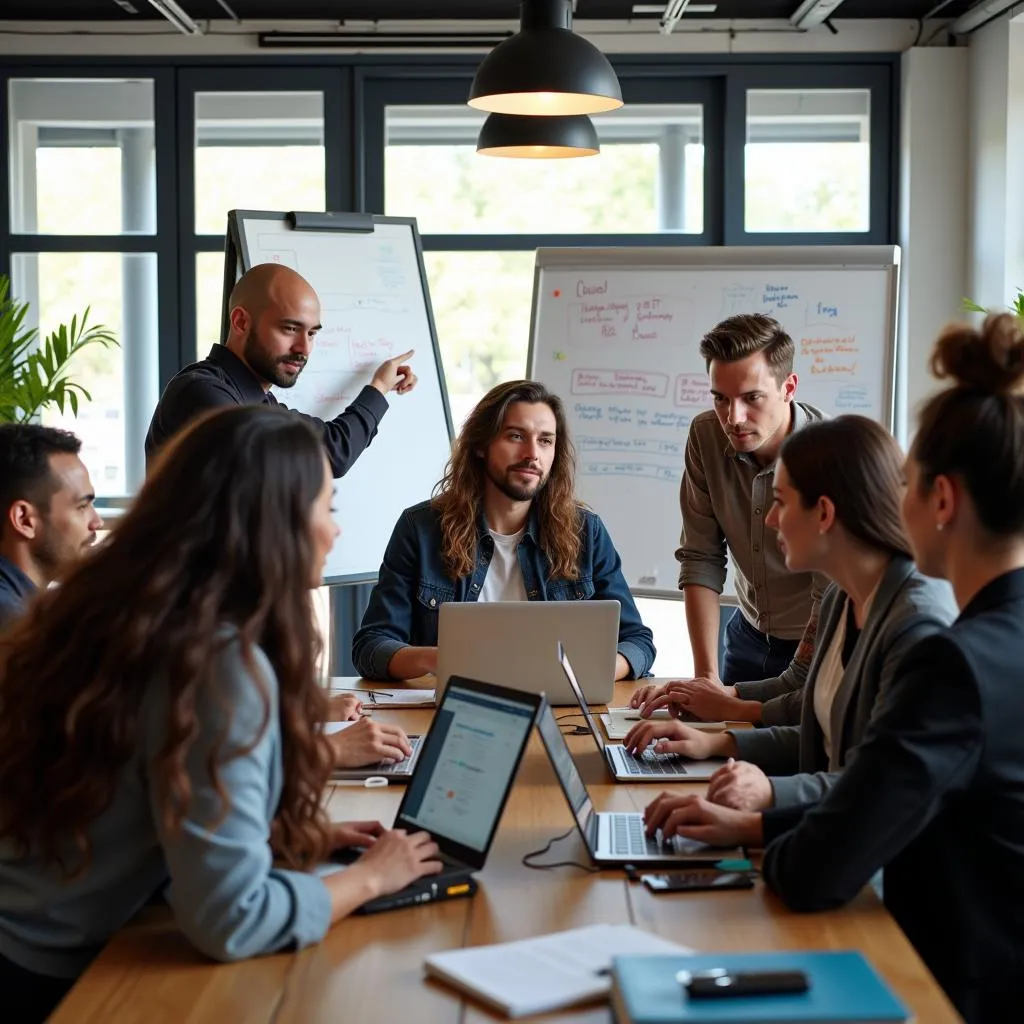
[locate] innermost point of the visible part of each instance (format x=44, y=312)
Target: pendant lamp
x=545, y=68
x=538, y=138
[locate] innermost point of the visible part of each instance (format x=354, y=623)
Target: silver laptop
x=395, y=771
x=615, y=838
x=510, y=643
x=646, y=767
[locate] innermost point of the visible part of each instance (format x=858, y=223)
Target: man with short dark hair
x=49, y=519
x=274, y=320
x=725, y=495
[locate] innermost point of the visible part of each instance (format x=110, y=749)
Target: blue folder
x=843, y=987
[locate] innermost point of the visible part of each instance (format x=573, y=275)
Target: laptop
x=510, y=643
x=467, y=762
x=646, y=767
x=616, y=838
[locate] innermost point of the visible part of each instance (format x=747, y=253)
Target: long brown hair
x=975, y=429
x=459, y=494
x=219, y=535
x=857, y=464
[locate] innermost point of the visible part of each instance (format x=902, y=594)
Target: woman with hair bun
x=935, y=793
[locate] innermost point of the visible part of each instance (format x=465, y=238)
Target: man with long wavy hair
x=504, y=525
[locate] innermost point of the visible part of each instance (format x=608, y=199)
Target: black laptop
x=467, y=763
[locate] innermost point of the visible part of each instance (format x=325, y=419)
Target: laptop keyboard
x=629, y=839
x=399, y=767
x=650, y=763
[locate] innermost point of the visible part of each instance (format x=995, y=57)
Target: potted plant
x=1017, y=306
x=33, y=371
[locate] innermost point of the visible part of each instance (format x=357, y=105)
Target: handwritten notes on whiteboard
x=373, y=305
x=620, y=344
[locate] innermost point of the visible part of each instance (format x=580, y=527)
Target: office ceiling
x=134, y=11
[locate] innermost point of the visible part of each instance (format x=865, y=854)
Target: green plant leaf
x=34, y=372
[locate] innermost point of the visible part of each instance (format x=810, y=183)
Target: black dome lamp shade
x=513, y=135
x=545, y=68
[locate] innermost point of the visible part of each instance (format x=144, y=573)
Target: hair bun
x=989, y=359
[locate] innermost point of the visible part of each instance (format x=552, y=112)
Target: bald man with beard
x=274, y=320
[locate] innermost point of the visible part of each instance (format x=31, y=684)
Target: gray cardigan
x=907, y=608
x=226, y=894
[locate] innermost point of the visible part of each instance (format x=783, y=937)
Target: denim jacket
x=413, y=585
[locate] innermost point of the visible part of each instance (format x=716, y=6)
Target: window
x=209, y=295
x=807, y=160
x=70, y=140
x=120, y=292
x=257, y=151
x=481, y=303
x=83, y=202
x=648, y=177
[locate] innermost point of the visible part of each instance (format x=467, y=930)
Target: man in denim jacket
x=504, y=525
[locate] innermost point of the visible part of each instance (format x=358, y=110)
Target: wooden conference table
x=369, y=969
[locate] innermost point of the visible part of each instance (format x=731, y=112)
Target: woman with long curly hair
x=160, y=722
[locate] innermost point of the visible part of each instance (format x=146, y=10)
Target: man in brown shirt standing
x=725, y=495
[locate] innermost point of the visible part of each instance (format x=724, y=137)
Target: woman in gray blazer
x=837, y=492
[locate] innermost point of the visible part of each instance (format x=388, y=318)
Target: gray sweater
x=906, y=608
x=227, y=897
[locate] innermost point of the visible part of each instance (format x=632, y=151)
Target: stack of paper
x=546, y=973
x=399, y=699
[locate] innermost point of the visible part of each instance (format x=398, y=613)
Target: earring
x=939, y=526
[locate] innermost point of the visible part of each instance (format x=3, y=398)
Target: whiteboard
x=615, y=333
x=374, y=305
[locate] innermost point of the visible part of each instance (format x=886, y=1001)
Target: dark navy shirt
x=223, y=379
x=15, y=590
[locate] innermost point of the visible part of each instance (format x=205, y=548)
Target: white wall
x=933, y=208
x=996, y=160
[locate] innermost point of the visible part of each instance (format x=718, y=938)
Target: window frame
x=878, y=80
x=336, y=87
x=379, y=88
x=354, y=170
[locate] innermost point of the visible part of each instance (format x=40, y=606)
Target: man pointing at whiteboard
x=725, y=495
x=274, y=319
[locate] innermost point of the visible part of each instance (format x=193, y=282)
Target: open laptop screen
x=570, y=676
x=466, y=766
x=569, y=777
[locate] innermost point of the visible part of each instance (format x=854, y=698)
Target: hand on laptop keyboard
x=670, y=738
x=369, y=742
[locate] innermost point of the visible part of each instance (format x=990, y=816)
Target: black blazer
x=935, y=794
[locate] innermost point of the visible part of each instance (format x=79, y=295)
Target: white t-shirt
x=504, y=579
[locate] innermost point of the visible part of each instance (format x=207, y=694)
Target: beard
x=514, y=490
x=55, y=554
x=273, y=369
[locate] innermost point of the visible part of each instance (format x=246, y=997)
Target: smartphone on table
x=696, y=880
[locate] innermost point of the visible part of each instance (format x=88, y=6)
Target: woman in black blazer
x=935, y=793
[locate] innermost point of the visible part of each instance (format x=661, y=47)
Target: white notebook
x=618, y=721
x=546, y=973
x=377, y=695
